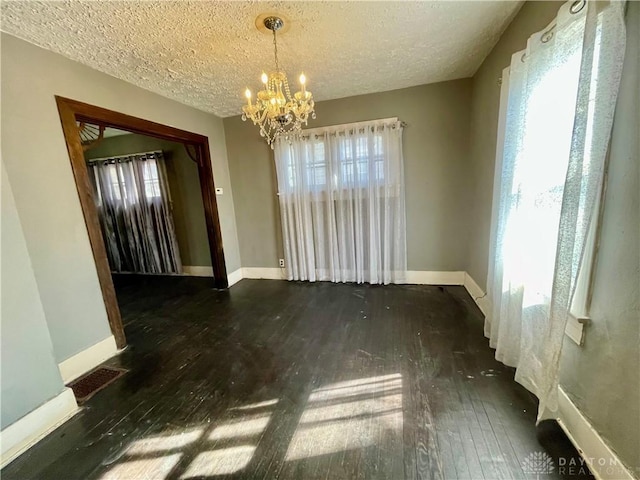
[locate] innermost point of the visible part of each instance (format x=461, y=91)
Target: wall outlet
x=282, y=263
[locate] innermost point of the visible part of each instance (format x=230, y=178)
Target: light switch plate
x=219, y=191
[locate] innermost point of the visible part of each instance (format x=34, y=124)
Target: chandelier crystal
x=275, y=110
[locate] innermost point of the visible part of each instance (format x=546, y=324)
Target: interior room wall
x=437, y=182
x=601, y=377
x=26, y=349
x=184, y=187
x=38, y=166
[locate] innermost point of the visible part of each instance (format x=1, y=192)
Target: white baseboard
x=87, y=359
x=421, y=277
x=412, y=277
x=197, y=271
x=601, y=460
x=476, y=293
x=264, y=273
x=415, y=277
x=35, y=425
x=200, y=271
x=234, y=277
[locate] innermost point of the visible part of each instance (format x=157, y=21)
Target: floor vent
x=86, y=387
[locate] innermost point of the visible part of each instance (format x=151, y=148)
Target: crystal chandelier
x=275, y=111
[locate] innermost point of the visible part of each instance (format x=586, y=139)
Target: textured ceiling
x=205, y=53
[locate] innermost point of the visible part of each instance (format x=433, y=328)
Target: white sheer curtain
x=341, y=193
x=133, y=201
x=560, y=94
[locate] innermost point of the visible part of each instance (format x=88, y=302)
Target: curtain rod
x=116, y=157
x=346, y=126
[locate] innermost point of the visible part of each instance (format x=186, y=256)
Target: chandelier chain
x=275, y=50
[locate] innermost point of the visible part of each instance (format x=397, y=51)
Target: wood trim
x=90, y=114
x=81, y=176
x=70, y=112
x=193, y=156
x=208, y=189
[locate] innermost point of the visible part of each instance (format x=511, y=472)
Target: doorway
x=72, y=114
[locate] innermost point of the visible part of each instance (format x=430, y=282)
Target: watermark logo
x=541, y=464
x=538, y=463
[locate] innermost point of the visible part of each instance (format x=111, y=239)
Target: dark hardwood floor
x=274, y=379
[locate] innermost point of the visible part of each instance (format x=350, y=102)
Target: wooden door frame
x=71, y=112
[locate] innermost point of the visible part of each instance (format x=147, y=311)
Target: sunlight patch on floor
x=223, y=447
x=349, y=415
x=146, y=468
x=252, y=406
x=242, y=427
x=353, y=388
x=164, y=442
x=223, y=461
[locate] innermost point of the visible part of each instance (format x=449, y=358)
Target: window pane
x=115, y=182
x=151, y=180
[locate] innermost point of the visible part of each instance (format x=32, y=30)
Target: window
x=540, y=144
x=550, y=162
x=358, y=162
x=114, y=181
x=539, y=179
x=132, y=195
x=341, y=201
x=150, y=177
x=361, y=160
x=117, y=174
x=559, y=98
x=316, y=165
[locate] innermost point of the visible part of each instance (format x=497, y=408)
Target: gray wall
x=436, y=176
x=29, y=372
x=184, y=185
x=602, y=377
x=532, y=17
x=37, y=163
